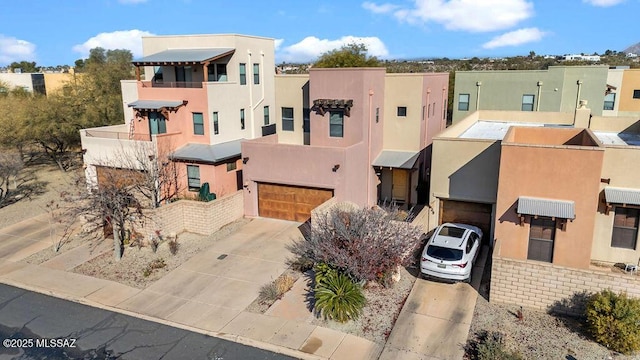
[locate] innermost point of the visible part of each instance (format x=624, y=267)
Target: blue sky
x=59, y=32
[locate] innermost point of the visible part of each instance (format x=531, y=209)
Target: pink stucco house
x=356, y=134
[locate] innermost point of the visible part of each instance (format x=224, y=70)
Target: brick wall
x=194, y=216
x=550, y=287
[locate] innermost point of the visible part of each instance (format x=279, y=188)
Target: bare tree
x=10, y=166
x=61, y=223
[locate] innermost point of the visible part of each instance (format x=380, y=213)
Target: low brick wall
x=551, y=287
x=195, y=216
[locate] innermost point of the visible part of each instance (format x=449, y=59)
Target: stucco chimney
x=581, y=119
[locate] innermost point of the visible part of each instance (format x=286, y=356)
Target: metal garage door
x=477, y=214
x=289, y=202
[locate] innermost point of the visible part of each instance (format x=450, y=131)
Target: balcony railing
x=117, y=135
x=269, y=129
x=172, y=84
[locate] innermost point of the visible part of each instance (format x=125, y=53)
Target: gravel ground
x=130, y=270
x=538, y=335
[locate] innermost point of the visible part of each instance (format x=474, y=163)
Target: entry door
x=157, y=123
x=400, y=185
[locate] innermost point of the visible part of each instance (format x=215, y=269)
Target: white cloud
x=603, y=3
x=515, y=38
x=379, y=9
x=12, y=49
x=465, y=15
x=310, y=48
x=278, y=43
x=125, y=39
x=131, y=1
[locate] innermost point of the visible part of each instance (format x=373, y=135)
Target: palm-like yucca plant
x=339, y=298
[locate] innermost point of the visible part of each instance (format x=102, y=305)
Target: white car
x=451, y=252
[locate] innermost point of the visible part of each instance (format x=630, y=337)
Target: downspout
x=369, y=149
x=540, y=83
x=250, y=83
x=261, y=84
x=478, y=84
x=575, y=111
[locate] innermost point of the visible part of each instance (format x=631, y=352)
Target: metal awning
x=209, y=154
x=563, y=209
x=184, y=56
x=396, y=159
x=156, y=104
x=615, y=195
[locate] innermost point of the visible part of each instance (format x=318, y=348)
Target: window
x=625, y=228
x=287, y=119
x=193, y=177
x=157, y=74
x=157, y=123
x=216, y=129
x=217, y=72
x=541, y=236
x=527, y=102
x=306, y=116
x=377, y=114
x=428, y=111
x=336, y=123
x=198, y=124
x=266, y=115
x=241, y=119
x=609, y=101
x=243, y=74
x=256, y=74
x=402, y=111
x=231, y=166
x=636, y=94
x=473, y=238
x=463, y=102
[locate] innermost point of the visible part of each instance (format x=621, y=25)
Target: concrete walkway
x=435, y=320
x=207, y=294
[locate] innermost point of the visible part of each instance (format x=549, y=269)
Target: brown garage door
x=289, y=202
x=477, y=214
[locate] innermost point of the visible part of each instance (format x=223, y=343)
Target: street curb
x=221, y=335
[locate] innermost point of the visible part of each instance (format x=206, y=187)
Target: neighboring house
x=356, y=134
x=33, y=83
x=547, y=187
x=200, y=95
x=609, y=92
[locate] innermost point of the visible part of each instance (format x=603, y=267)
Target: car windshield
x=443, y=253
x=451, y=231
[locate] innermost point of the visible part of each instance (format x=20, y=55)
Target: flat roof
x=614, y=138
x=492, y=130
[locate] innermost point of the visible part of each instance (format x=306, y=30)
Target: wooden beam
x=138, y=73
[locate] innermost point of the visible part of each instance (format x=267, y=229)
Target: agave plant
x=339, y=298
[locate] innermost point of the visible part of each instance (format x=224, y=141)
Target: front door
x=400, y=185
x=157, y=123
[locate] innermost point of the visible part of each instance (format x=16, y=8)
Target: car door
x=475, y=246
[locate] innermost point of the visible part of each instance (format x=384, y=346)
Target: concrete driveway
x=215, y=286
x=25, y=238
x=435, y=320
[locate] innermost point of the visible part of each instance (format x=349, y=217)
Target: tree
x=10, y=166
x=367, y=244
x=24, y=66
x=352, y=55
x=112, y=204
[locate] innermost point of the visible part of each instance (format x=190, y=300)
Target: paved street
x=103, y=334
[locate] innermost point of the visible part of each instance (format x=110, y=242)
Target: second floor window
x=217, y=72
x=527, y=102
x=266, y=115
x=609, y=101
x=463, y=102
x=336, y=124
x=241, y=119
x=256, y=74
x=243, y=74
x=402, y=111
x=287, y=119
x=198, y=124
x=216, y=129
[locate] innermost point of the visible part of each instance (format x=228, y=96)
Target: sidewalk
x=203, y=295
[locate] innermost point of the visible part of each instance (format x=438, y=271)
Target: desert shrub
x=153, y=265
x=276, y=289
x=283, y=284
x=173, y=246
x=490, y=346
x=338, y=298
x=368, y=244
x=300, y=263
x=614, y=321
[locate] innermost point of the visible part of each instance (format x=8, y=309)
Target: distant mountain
x=633, y=49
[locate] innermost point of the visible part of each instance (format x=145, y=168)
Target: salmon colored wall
x=554, y=173
x=221, y=182
x=180, y=123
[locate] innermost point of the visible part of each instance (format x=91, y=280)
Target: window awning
x=208, y=154
x=183, y=56
x=563, y=209
x=157, y=104
x=396, y=159
x=615, y=195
